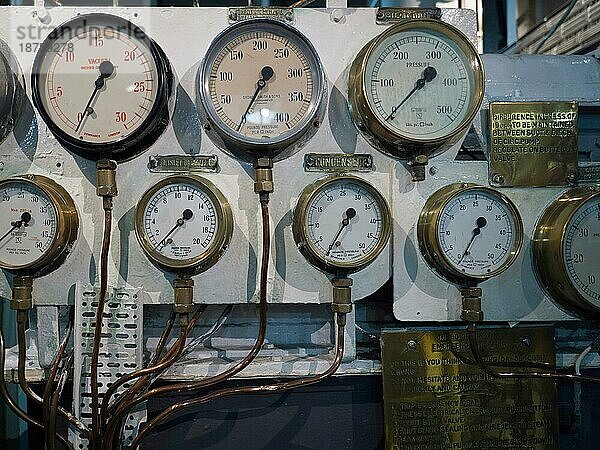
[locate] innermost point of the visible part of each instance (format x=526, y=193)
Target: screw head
x=498, y=179
x=526, y=341
x=411, y=345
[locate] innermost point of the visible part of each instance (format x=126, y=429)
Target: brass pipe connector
x=342, y=295
x=417, y=167
x=263, y=176
x=471, y=304
x=106, y=178
x=22, y=289
x=184, y=295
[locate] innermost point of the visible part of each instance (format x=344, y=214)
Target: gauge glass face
x=420, y=84
x=581, y=249
x=180, y=221
x=97, y=83
x=28, y=224
x=263, y=83
x=478, y=233
x=344, y=223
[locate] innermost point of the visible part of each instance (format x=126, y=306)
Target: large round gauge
x=469, y=232
x=102, y=86
x=566, y=251
x=416, y=87
x=341, y=224
x=38, y=222
x=9, y=97
x=261, y=87
x=184, y=224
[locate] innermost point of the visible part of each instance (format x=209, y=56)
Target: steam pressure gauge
x=184, y=224
x=341, y=224
x=38, y=224
x=102, y=86
x=414, y=89
x=9, y=97
x=469, y=233
x=261, y=88
x=566, y=251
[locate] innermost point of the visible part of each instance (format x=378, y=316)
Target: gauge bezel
x=67, y=226
x=240, y=146
x=14, y=94
x=301, y=237
x=381, y=135
x=428, y=226
x=211, y=255
x=148, y=131
x=547, y=250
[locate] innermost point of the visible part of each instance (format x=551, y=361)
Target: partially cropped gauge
x=341, y=224
x=9, y=97
x=102, y=86
x=416, y=87
x=261, y=88
x=38, y=222
x=184, y=223
x=469, y=232
x=566, y=251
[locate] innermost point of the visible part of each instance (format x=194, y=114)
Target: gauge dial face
x=344, y=223
x=262, y=82
x=182, y=221
x=29, y=224
x=581, y=250
x=98, y=81
x=479, y=233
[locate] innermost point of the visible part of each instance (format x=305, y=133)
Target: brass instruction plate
x=435, y=400
x=338, y=162
x=533, y=143
x=183, y=163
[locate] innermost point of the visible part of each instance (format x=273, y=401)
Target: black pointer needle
x=187, y=215
x=481, y=222
x=106, y=70
x=350, y=213
x=428, y=75
x=25, y=218
x=266, y=74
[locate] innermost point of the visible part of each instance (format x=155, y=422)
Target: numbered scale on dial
x=566, y=251
x=184, y=224
x=469, y=233
x=341, y=224
x=102, y=86
x=38, y=224
x=261, y=88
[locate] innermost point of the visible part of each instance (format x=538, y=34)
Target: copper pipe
x=95, y=401
x=265, y=389
x=51, y=424
x=164, y=338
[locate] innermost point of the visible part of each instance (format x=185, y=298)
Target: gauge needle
x=186, y=215
x=350, y=213
x=25, y=218
x=481, y=222
x=265, y=75
x=106, y=70
x=428, y=75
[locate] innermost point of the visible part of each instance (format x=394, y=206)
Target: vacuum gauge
x=469, y=233
x=341, y=224
x=261, y=87
x=102, y=86
x=39, y=224
x=566, y=250
x=184, y=223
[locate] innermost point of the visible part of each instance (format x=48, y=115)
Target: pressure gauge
x=102, y=86
x=469, y=233
x=184, y=224
x=261, y=88
x=341, y=224
x=39, y=224
x=415, y=89
x=10, y=100
x=566, y=251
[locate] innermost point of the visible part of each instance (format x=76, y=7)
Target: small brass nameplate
x=338, y=162
x=261, y=12
x=391, y=15
x=436, y=399
x=183, y=163
x=533, y=143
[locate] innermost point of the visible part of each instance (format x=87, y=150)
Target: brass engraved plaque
x=338, y=162
x=391, y=15
x=435, y=400
x=533, y=143
x=183, y=163
x=284, y=14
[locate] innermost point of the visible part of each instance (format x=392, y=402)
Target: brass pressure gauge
x=184, y=224
x=566, y=250
x=341, y=224
x=39, y=224
x=415, y=88
x=469, y=233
